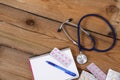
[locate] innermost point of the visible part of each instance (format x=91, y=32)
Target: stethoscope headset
x=82, y=58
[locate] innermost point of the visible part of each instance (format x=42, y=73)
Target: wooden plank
x=14, y=37
x=103, y=60
x=62, y=9
x=14, y=65
x=75, y=9
x=8, y=76
x=31, y=42
x=19, y=66
x=34, y=23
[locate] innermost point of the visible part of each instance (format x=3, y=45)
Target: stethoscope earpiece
x=70, y=19
x=66, y=22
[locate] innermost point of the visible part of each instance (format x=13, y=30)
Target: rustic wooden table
x=29, y=28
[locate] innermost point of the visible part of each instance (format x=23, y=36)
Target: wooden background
x=29, y=28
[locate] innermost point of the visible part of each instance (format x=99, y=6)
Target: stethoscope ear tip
x=59, y=30
x=70, y=19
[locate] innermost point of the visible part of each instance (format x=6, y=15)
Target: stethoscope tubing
x=92, y=38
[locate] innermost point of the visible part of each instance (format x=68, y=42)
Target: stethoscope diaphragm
x=81, y=58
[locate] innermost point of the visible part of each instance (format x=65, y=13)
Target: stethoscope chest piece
x=81, y=58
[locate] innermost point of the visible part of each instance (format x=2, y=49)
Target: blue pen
x=63, y=69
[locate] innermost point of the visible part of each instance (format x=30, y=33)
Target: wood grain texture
x=14, y=65
x=26, y=35
x=33, y=22
x=61, y=10
x=43, y=30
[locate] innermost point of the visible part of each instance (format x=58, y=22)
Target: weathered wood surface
x=14, y=65
x=24, y=34
x=14, y=62
x=61, y=10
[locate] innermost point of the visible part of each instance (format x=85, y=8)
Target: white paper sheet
x=43, y=71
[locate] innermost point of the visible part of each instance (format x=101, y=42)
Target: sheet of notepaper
x=43, y=71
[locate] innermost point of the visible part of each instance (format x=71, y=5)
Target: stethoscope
x=82, y=58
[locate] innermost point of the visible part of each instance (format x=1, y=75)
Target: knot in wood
x=112, y=9
x=30, y=22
